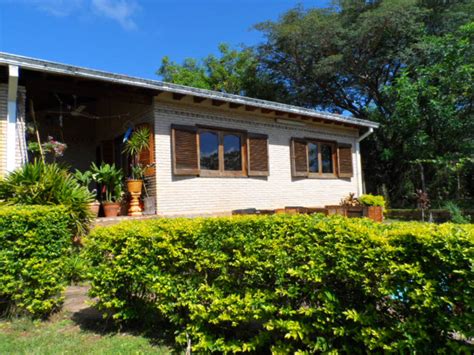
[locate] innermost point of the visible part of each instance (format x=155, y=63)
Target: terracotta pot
x=94, y=208
x=134, y=186
x=111, y=209
x=375, y=213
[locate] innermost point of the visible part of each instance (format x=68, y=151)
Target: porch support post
x=13, y=72
x=360, y=180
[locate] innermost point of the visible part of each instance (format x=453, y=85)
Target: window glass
x=326, y=157
x=209, y=145
x=313, y=160
x=232, y=152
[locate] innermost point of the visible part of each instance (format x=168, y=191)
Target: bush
x=372, y=200
x=455, y=213
x=34, y=243
x=39, y=183
x=290, y=283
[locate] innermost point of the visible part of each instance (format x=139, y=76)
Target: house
x=210, y=152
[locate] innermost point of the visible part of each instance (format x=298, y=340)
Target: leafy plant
x=287, y=284
x=111, y=180
x=41, y=183
x=139, y=141
x=34, y=246
x=456, y=213
x=372, y=200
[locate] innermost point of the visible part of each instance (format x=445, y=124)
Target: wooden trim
x=178, y=97
x=183, y=171
x=198, y=99
x=254, y=172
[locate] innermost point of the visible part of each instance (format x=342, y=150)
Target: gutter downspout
x=13, y=73
x=360, y=186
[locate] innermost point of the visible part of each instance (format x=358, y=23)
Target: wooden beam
x=294, y=115
x=250, y=108
x=279, y=113
x=217, y=102
x=177, y=96
x=234, y=105
x=198, y=99
x=266, y=110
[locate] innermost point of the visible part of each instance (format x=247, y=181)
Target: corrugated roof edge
x=60, y=68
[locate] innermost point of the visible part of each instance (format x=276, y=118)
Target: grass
x=61, y=335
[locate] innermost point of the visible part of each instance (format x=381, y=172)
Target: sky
x=131, y=36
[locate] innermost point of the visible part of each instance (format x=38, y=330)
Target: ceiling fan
x=77, y=111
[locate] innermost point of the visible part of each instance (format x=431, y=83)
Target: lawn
x=61, y=335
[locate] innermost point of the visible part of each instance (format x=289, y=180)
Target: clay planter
x=134, y=186
x=111, y=209
x=375, y=213
x=94, y=208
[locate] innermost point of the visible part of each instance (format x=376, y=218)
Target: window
x=319, y=159
x=205, y=151
x=220, y=153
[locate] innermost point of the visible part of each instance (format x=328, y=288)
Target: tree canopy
x=407, y=64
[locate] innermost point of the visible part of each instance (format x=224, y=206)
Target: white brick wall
x=198, y=195
x=20, y=152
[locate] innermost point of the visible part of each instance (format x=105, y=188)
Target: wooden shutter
x=147, y=156
x=184, y=141
x=257, y=154
x=108, y=151
x=344, y=158
x=299, y=158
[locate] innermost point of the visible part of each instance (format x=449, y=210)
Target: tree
x=431, y=127
x=233, y=72
x=360, y=57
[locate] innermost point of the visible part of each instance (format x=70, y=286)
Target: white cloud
x=121, y=11
x=60, y=8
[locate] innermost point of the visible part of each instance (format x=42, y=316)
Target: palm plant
x=111, y=180
x=139, y=141
x=40, y=183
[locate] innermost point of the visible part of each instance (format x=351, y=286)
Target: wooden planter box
x=375, y=213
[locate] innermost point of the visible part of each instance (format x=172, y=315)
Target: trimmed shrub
x=290, y=283
x=34, y=246
x=41, y=183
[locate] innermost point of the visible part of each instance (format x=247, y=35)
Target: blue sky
x=131, y=36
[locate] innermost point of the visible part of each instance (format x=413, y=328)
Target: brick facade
x=189, y=195
x=20, y=155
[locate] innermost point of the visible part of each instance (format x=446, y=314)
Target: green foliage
x=41, y=183
x=76, y=266
x=372, y=200
x=34, y=244
x=111, y=180
x=290, y=284
x=456, y=213
x=233, y=72
x=139, y=141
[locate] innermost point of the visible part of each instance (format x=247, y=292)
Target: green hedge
x=290, y=283
x=34, y=245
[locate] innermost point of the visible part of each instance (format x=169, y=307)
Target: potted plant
x=134, y=146
x=374, y=206
x=85, y=179
x=110, y=178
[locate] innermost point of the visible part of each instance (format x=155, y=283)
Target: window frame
x=221, y=172
x=320, y=174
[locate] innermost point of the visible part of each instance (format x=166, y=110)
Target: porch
x=90, y=117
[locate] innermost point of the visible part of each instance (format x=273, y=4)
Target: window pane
x=326, y=156
x=232, y=152
x=209, y=150
x=313, y=158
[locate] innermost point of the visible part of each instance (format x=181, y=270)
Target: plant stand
x=134, y=209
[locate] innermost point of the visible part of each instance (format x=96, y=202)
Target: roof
x=70, y=70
